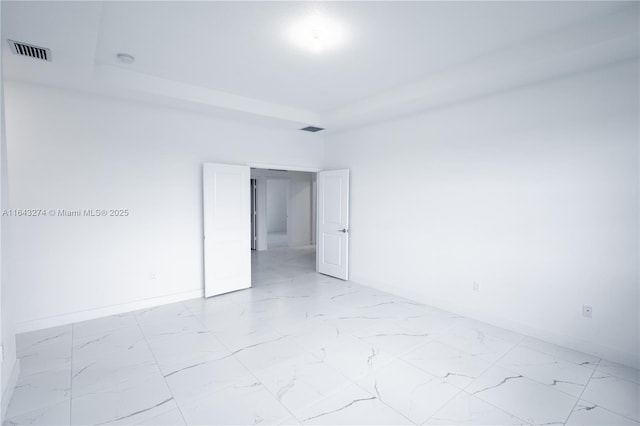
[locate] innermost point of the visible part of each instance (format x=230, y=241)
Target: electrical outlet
x=476, y=287
x=587, y=311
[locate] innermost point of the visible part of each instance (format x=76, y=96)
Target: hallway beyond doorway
x=277, y=240
x=281, y=264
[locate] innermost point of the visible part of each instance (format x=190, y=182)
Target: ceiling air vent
x=312, y=129
x=36, y=52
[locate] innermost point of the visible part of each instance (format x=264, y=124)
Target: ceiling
x=236, y=58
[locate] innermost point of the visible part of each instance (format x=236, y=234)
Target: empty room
x=322, y=213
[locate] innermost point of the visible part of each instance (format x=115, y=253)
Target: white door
x=227, y=245
x=333, y=223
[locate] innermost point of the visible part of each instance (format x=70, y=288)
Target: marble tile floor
x=303, y=348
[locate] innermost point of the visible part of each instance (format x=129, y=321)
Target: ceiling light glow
x=316, y=33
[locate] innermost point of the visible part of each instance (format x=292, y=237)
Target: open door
x=333, y=223
x=226, y=204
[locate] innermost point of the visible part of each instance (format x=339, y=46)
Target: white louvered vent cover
x=36, y=52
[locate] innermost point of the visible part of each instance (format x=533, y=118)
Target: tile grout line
x=353, y=382
x=240, y=362
x=584, y=388
x=443, y=405
x=613, y=412
x=582, y=393
x=158, y=366
x=266, y=388
x=463, y=390
x=550, y=386
x=399, y=357
x=396, y=358
x=383, y=401
x=495, y=364
x=491, y=404
x=544, y=384
x=349, y=381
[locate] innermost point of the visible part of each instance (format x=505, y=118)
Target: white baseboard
x=7, y=392
x=54, y=321
x=592, y=348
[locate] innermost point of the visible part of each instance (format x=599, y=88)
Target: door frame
x=288, y=168
x=254, y=211
x=293, y=169
x=283, y=167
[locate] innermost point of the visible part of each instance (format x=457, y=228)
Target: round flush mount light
x=316, y=33
x=125, y=58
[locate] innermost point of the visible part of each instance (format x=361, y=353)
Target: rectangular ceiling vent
x=36, y=52
x=312, y=129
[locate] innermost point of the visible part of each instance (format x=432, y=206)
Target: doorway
x=232, y=217
x=285, y=223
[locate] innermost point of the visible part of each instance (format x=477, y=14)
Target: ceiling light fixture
x=125, y=58
x=316, y=33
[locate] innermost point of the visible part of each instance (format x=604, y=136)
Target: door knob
x=343, y=230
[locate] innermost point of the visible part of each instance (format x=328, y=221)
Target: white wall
x=70, y=150
x=299, y=228
x=277, y=196
x=9, y=366
x=531, y=193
